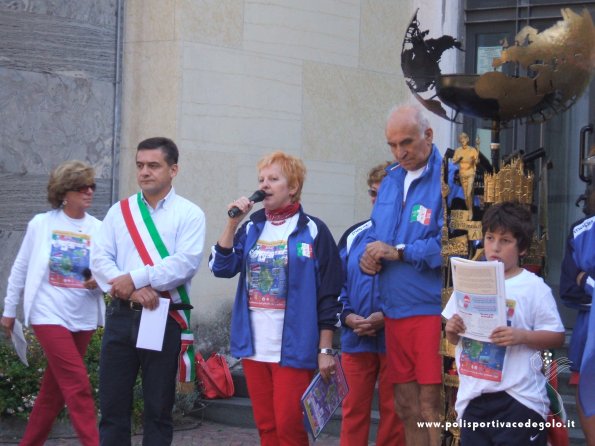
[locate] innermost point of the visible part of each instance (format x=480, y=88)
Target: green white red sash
x=151, y=249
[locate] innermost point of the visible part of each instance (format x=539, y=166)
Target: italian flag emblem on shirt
x=421, y=214
x=304, y=250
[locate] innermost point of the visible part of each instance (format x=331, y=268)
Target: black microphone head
x=87, y=273
x=257, y=196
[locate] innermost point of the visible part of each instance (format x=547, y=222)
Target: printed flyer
x=321, y=399
x=484, y=360
x=478, y=288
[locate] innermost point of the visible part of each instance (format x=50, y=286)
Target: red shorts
x=412, y=349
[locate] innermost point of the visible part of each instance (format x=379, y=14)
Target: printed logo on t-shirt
x=485, y=360
x=267, y=275
x=69, y=257
x=420, y=214
x=510, y=306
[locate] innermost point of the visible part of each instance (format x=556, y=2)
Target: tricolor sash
x=151, y=250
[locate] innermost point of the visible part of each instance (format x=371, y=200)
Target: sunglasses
x=372, y=193
x=85, y=188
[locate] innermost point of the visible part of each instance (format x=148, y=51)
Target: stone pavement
x=195, y=433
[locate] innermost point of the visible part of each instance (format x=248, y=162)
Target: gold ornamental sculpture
x=535, y=77
x=557, y=65
x=509, y=184
x=560, y=61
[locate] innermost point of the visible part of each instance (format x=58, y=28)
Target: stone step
x=241, y=403
x=237, y=411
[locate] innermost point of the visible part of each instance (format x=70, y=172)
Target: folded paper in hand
x=19, y=341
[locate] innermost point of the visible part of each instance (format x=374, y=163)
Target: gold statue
x=467, y=157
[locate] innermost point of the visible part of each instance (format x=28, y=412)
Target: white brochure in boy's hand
x=152, y=326
x=478, y=288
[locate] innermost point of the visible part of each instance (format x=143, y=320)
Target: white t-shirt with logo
x=533, y=308
x=267, y=289
x=61, y=298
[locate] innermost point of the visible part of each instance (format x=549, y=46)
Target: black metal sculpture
x=556, y=63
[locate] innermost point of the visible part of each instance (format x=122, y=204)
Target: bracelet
x=326, y=351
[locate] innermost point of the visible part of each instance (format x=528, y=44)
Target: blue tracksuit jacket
x=313, y=286
x=584, y=256
x=576, y=259
x=412, y=287
x=360, y=294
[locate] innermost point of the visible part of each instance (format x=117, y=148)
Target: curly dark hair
x=70, y=175
x=510, y=216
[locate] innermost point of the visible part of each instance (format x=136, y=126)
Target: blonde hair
x=377, y=173
x=70, y=175
x=292, y=167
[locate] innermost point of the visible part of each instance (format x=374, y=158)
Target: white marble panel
x=345, y=112
x=219, y=22
x=318, y=30
x=329, y=194
x=150, y=91
x=209, y=180
x=239, y=102
x=383, y=26
x=248, y=175
x=149, y=20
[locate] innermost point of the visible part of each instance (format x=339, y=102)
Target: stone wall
x=232, y=80
x=228, y=80
x=57, y=98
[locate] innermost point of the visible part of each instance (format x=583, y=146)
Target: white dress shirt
x=181, y=225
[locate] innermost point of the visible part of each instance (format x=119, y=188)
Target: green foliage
x=19, y=384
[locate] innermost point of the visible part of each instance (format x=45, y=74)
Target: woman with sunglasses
x=61, y=301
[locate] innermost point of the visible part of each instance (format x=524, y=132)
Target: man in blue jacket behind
x=404, y=248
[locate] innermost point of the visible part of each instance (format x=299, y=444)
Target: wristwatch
x=326, y=351
x=400, y=251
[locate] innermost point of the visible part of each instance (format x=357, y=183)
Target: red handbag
x=214, y=376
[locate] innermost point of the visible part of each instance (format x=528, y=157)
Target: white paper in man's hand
x=152, y=326
x=19, y=341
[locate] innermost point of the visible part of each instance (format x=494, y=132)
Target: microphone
x=87, y=273
x=256, y=197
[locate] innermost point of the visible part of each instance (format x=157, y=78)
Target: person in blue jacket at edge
x=286, y=306
x=576, y=291
x=404, y=249
x=363, y=353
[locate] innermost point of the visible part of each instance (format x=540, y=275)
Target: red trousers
x=361, y=371
x=275, y=393
x=65, y=381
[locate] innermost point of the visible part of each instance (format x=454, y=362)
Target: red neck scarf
x=278, y=216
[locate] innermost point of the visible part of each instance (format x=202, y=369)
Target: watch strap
x=326, y=351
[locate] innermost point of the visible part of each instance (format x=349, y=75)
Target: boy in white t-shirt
x=501, y=382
